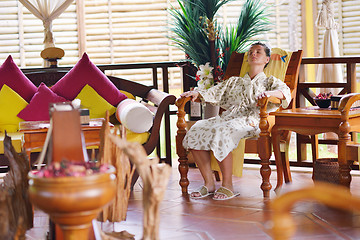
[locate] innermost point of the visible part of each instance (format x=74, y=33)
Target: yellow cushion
x=277, y=66
x=129, y=95
x=11, y=104
x=16, y=140
x=238, y=159
x=96, y=104
x=137, y=137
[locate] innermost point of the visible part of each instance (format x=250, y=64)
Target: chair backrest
x=291, y=75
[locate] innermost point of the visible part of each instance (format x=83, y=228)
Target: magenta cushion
x=38, y=108
x=85, y=72
x=12, y=76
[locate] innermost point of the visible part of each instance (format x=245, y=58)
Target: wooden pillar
x=310, y=46
x=80, y=11
x=21, y=34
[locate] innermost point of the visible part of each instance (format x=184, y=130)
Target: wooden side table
x=35, y=133
x=312, y=121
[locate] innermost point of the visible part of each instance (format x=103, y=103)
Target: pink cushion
x=12, y=76
x=38, y=108
x=85, y=72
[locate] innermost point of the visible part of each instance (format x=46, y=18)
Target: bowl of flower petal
x=72, y=194
x=323, y=100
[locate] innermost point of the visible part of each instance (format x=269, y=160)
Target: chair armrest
x=336, y=196
x=263, y=103
x=161, y=101
x=181, y=123
x=347, y=101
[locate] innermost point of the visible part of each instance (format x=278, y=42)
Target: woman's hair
x=266, y=49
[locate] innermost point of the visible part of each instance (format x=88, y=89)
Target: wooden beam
x=80, y=10
x=21, y=34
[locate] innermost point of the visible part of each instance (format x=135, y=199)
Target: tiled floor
x=244, y=217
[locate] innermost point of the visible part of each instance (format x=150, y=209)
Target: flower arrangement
x=204, y=76
x=208, y=45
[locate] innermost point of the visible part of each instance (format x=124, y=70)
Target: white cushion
x=134, y=116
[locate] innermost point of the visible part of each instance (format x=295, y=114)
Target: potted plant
x=208, y=45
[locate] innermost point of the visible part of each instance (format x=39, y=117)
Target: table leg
x=28, y=153
x=285, y=156
x=344, y=167
x=278, y=161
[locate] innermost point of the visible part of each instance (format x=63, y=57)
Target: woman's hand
x=193, y=94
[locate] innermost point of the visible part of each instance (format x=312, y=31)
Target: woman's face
x=257, y=56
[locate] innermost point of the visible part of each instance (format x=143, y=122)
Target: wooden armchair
x=283, y=225
x=261, y=144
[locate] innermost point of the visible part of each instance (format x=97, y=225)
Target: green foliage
x=188, y=33
x=189, y=29
x=253, y=21
x=209, y=8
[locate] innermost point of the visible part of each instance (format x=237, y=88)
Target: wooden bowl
x=73, y=202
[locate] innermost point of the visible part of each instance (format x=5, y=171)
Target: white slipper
x=204, y=192
x=225, y=192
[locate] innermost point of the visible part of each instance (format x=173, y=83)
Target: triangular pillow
x=11, y=104
x=97, y=105
x=85, y=72
x=14, y=78
x=38, y=108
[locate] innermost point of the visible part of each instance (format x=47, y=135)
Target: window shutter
x=10, y=36
x=120, y=31
x=278, y=36
x=350, y=30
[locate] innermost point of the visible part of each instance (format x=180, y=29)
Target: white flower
x=205, y=71
x=204, y=76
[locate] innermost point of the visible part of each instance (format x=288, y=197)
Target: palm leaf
x=253, y=20
x=209, y=8
x=188, y=33
x=188, y=30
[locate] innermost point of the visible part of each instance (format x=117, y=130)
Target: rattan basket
x=326, y=170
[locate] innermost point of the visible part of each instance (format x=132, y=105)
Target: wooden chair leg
x=314, y=147
x=279, y=163
x=217, y=176
x=286, y=166
x=285, y=157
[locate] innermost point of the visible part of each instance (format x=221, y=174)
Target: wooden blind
x=10, y=30
x=350, y=30
x=281, y=29
x=122, y=31
x=119, y=31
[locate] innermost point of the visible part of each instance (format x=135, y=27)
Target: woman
x=221, y=134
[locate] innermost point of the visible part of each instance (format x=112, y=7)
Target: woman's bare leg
x=226, y=167
x=202, y=159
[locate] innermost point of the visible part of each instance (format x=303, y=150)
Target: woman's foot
x=224, y=193
x=202, y=192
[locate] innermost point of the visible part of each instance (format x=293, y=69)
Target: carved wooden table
x=35, y=133
x=312, y=121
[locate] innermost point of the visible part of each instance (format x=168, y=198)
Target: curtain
x=330, y=46
x=47, y=11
